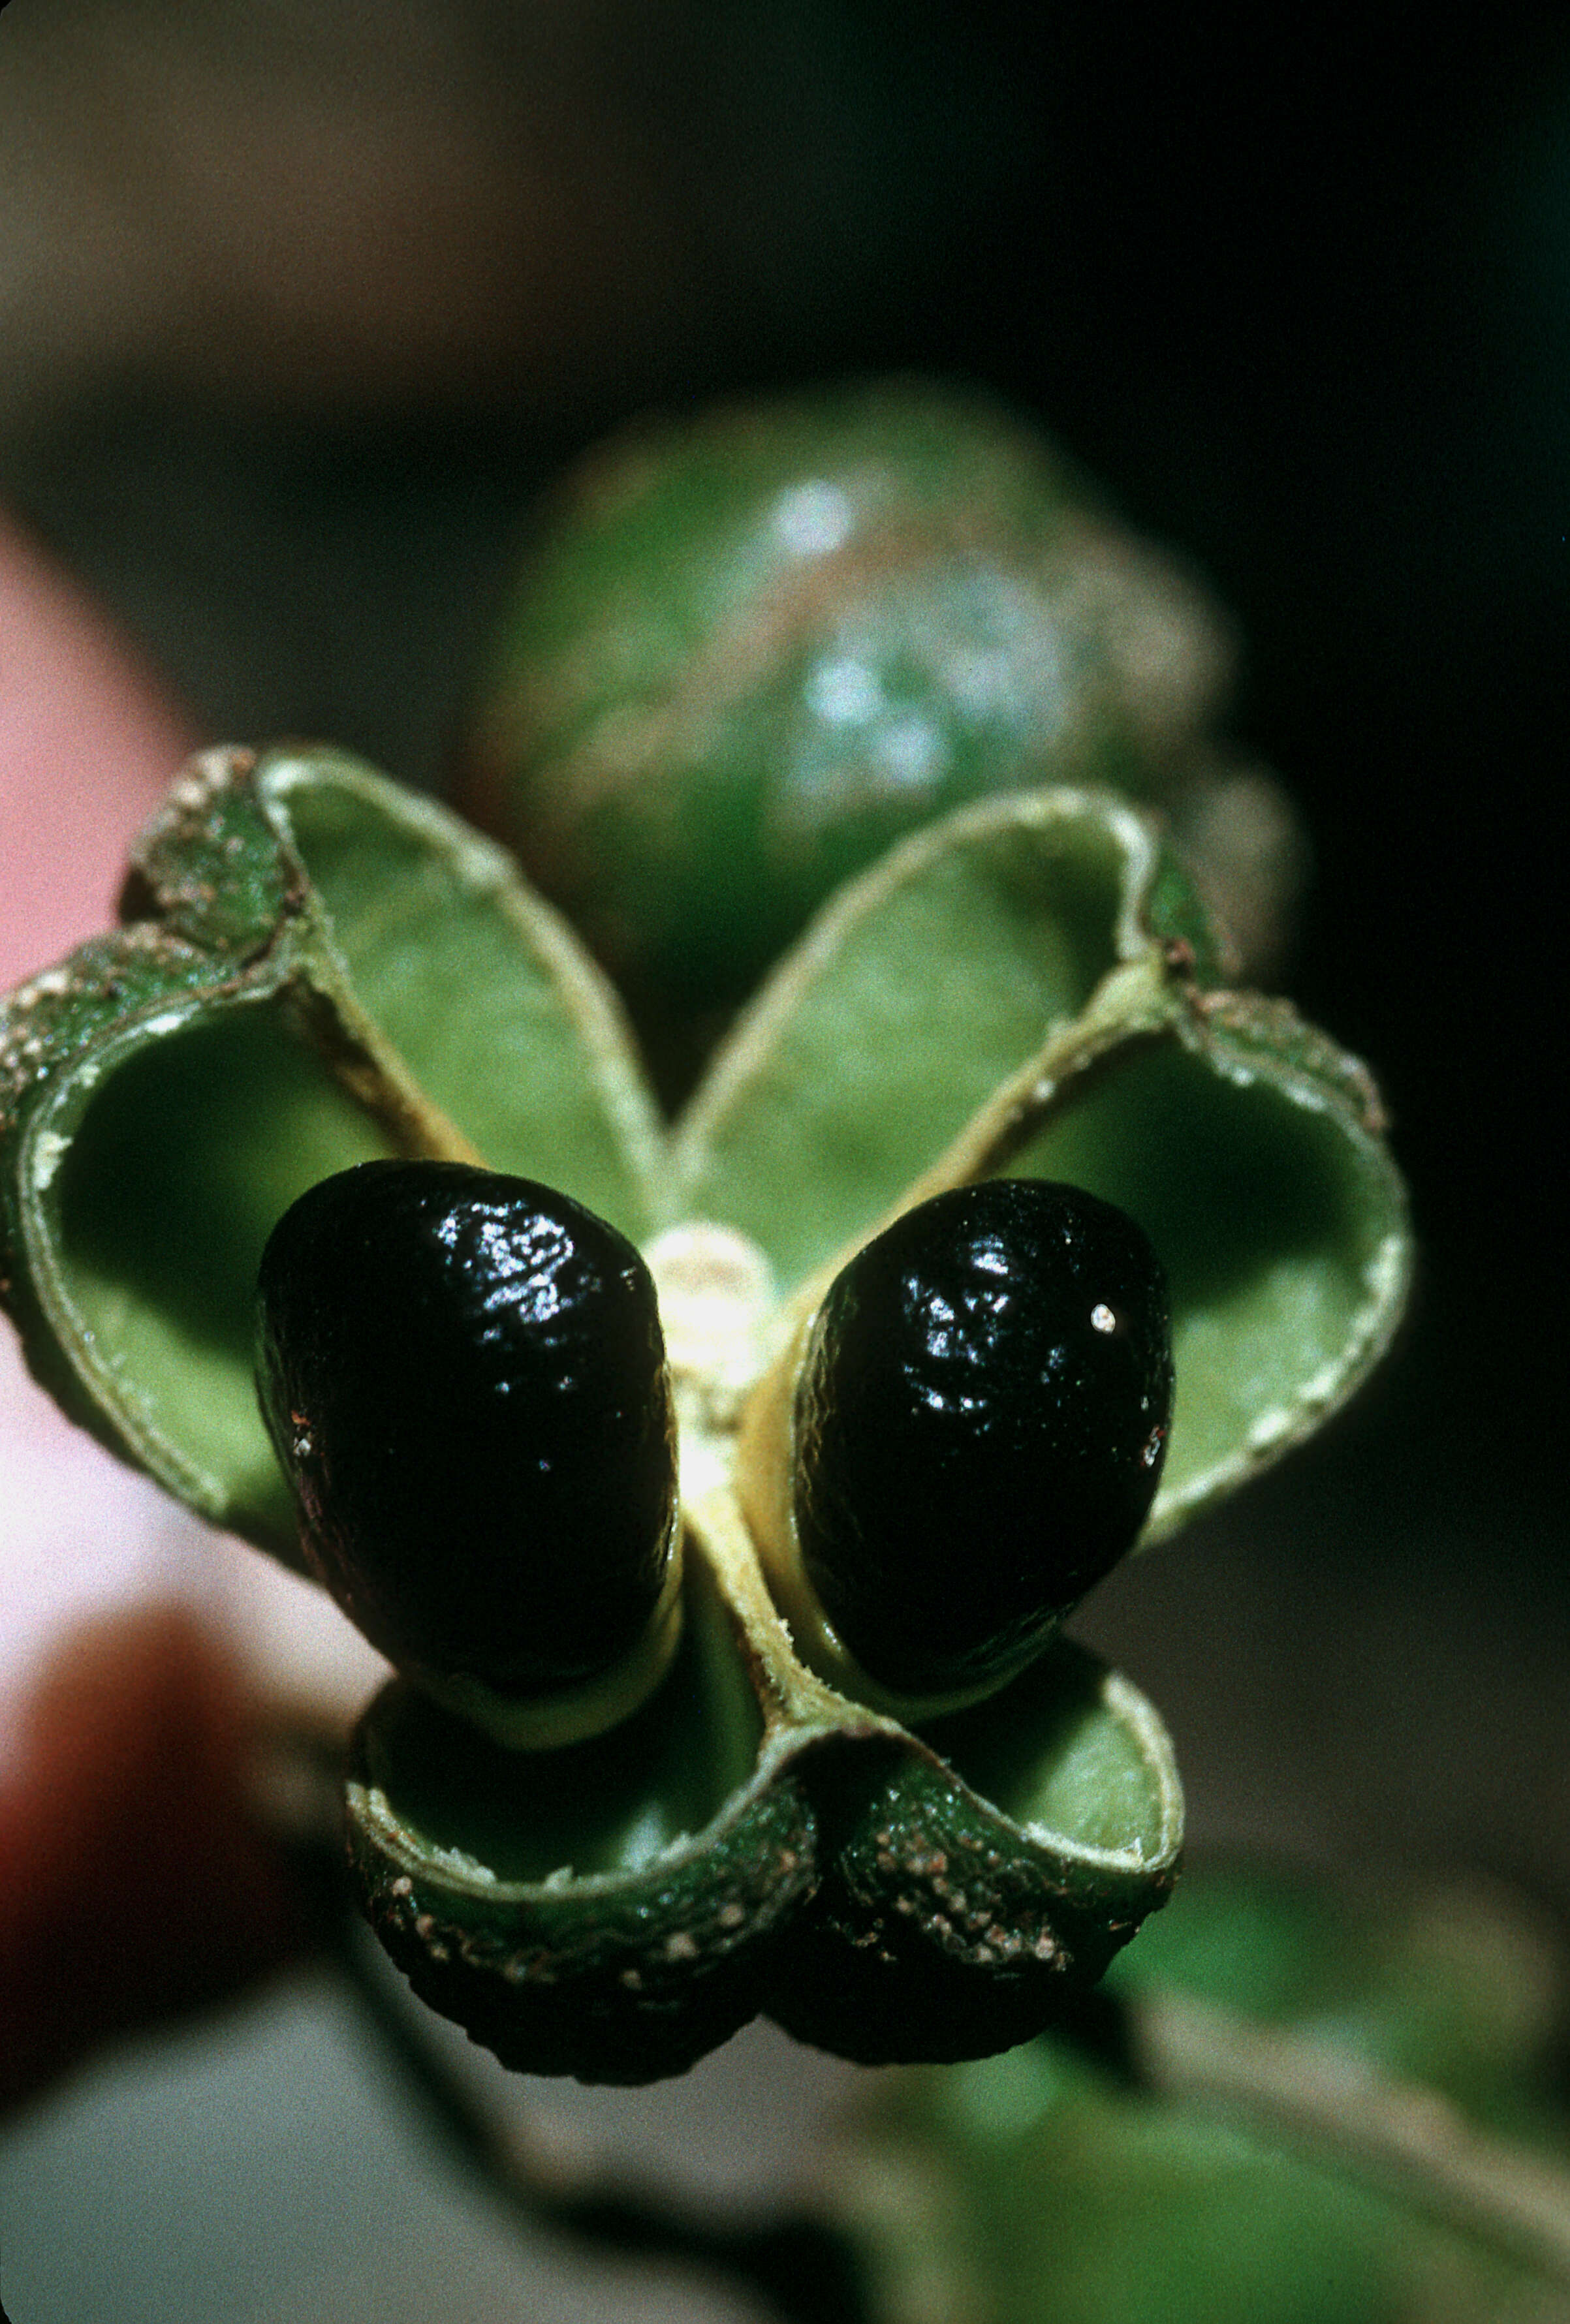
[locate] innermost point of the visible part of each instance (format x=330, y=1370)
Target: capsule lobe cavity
x=980, y=1423
x=463, y=1378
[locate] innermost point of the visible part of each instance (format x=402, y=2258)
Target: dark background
x=1297, y=293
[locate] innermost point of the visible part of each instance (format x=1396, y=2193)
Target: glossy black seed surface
x=463, y=1378
x=980, y=1426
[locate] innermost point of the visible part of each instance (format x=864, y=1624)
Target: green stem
x=1399, y=2136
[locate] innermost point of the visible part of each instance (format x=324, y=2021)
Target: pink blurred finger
x=88, y=743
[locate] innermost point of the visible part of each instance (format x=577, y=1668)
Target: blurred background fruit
x=750, y=651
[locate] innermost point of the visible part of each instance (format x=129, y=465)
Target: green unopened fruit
x=752, y=648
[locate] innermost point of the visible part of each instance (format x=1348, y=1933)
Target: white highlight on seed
x=1102, y=1317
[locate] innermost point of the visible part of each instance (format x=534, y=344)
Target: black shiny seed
x=463, y=1378
x=980, y=1426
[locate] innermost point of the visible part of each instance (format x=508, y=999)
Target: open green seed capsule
x=320, y=971
x=980, y=1424
x=463, y=1378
